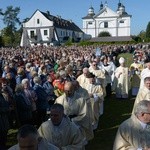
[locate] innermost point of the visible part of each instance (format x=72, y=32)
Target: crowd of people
x=55, y=95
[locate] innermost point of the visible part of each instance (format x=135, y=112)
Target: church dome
x=91, y=11
x=122, y=8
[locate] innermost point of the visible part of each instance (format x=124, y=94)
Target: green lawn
x=115, y=112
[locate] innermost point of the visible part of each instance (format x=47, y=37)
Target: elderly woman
x=23, y=106
x=31, y=95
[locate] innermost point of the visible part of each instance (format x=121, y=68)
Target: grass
x=115, y=112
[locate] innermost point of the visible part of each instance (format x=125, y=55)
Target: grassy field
x=115, y=112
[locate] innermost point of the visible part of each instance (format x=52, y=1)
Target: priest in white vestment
x=100, y=75
x=82, y=79
x=134, y=133
x=145, y=73
x=75, y=107
x=135, y=73
x=60, y=131
x=144, y=93
x=121, y=80
x=96, y=93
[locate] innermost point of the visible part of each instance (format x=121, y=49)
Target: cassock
x=135, y=71
x=121, y=82
x=84, y=93
x=82, y=80
x=66, y=136
x=100, y=75
x=96, y=102
x=131, y=135
x=143, y=94
x=76, y=108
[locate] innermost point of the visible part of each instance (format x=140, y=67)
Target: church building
x=46, y=29
x=116, y=23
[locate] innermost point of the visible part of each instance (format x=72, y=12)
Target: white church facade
x=46, y=29
x=117, y=23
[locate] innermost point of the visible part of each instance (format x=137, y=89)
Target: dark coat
x=42, y=97
x=4, y=110
x=24, y=109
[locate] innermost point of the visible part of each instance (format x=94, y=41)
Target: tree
x=104, y=34
x=148, y=30
x=142, y=35
x=10, y=17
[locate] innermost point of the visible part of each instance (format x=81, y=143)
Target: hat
x=90, y=75
x=121, y=60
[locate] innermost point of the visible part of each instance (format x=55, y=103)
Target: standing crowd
x=55, y=95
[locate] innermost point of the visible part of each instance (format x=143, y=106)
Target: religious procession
x=55, y=96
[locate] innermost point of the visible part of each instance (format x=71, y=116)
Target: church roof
x=111, y=39
x=107, y=9
x=62, y=23
x=88, y=17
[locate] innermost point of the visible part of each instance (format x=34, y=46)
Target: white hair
x=141, y=107
x=25, y=81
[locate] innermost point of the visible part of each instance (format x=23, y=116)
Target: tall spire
x=101, y=6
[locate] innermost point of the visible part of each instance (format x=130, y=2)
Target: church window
x=38, y=21
x=121, y=21
x=61, y=33
x=45, y=32
x=32, y=34
x=90, y=22
x=64, y=33
x=105, y=24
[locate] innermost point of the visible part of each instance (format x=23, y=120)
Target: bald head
x=69, y=89
x=68, y=86
x=85, y=70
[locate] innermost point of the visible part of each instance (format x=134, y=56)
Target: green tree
x=8, y=36
x=11, y=20
x=148, y=30
x=142, y=35
x=104, y=34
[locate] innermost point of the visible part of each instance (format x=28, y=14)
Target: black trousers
x=41, y=116
x=108, y=89
x=3, y=140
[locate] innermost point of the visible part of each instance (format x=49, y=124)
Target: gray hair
x=141, y=107
x=27, y=130
x=25, y=81
x=146, y=79
x=37, y=80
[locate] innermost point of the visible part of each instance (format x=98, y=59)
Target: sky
x=76, y=9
